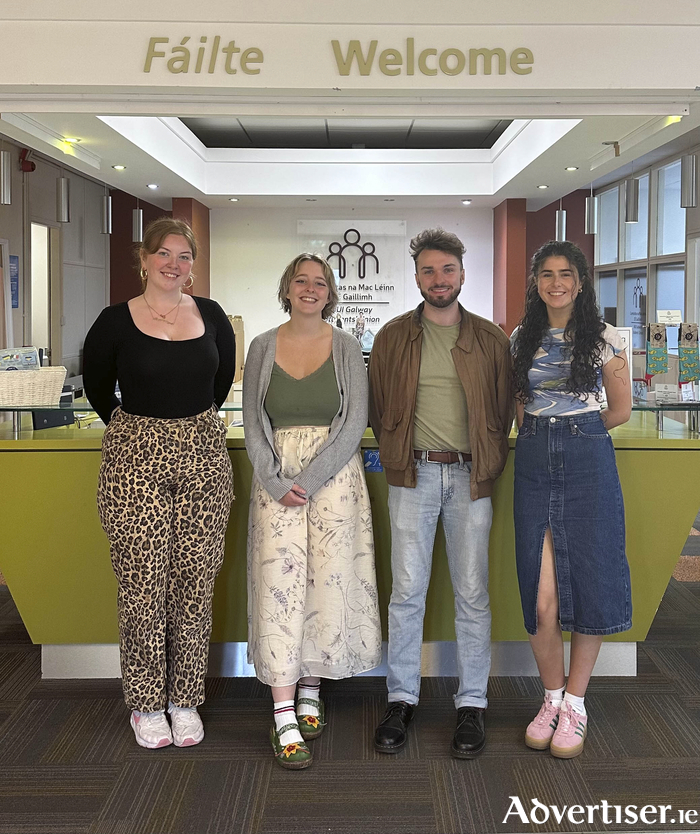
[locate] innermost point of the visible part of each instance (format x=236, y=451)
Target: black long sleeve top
x=157, y=377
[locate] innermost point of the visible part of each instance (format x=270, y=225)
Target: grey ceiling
x=261, y=132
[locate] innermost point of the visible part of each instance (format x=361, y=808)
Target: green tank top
x=311, y=401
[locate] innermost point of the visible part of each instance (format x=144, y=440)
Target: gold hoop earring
x=187, y=286
x=144, y=274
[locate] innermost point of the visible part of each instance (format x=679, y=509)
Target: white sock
x=575, y=703
x=556, y=696
x=285, y=715
x=172, y=708
x=308, y=690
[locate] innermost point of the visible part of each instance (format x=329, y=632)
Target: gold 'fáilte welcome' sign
x=208, y=56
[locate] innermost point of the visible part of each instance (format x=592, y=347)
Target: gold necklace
x=156, y=316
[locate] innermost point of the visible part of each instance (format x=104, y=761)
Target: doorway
x=44, y=317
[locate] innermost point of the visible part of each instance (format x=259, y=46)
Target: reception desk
x=54, y=554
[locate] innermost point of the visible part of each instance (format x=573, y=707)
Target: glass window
x=670, y=224
x=635, y=283
x=608, y=211
x=607, y=296
x=636, y=233
x=670, y=295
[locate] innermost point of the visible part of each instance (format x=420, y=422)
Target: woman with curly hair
x=569, y=514
x=312, y=594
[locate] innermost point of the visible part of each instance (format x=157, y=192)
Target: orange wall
x=124, y=281
x=517, y=234
x=197, y=215
x=541, y=225
x=509, y=262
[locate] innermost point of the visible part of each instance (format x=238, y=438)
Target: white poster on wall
x=369, y=261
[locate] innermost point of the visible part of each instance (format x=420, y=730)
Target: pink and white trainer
x=188, y=729
x=541, y=729
x=151, y=729
x=570, y=734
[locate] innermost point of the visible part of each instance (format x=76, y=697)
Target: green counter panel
x=55, y=557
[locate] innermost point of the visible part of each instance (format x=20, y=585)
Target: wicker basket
x=42, y=386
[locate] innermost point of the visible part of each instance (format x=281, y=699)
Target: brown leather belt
x=440, y=457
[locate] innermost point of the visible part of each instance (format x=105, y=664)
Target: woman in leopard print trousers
x=165, y=483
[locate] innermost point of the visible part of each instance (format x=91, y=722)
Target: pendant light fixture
x=106, y=228
x=591, y=219
x=632, y=200
x=561, y=223
x=63, y=199
x=689, y=182
x=5, y=178
x=137, y=224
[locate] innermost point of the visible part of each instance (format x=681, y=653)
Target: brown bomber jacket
x=482, y=359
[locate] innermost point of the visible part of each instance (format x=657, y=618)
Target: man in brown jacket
x=441, y=407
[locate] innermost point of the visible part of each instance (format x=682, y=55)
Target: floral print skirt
x=312, y=592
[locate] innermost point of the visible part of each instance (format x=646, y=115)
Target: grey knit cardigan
x=346, y=430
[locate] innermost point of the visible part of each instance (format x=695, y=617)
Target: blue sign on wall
x=372, y=462
x=14, y=280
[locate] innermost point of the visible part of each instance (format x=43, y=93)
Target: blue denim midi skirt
x=566, y=478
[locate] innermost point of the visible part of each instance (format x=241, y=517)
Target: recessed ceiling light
x=152, y=186
x=71, y=139
x=389, y=200
x=466, y=202
x=543, y=186
x=311, y=200
x=119, y=167
x=233, y=199
x=571, y=168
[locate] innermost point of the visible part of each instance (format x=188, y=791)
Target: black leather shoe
x=470, y=736
x=390, y=735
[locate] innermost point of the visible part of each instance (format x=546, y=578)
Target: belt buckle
x=445, y=454
x=422, y=456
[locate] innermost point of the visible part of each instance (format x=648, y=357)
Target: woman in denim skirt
x=569, y=513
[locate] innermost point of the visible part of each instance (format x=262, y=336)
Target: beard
x=441, y=301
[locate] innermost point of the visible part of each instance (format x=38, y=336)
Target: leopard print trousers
x=164, y=497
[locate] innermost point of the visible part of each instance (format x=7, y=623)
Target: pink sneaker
x=570, y=734
x=541, y=729
x=151, y=729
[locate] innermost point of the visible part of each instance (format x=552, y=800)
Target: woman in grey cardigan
x=312, y=596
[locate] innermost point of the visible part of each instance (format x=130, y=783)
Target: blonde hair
x=288, y=276
x=155, y=234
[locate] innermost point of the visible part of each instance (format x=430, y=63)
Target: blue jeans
x=442, y=490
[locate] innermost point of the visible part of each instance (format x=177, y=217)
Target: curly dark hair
x=584, y=330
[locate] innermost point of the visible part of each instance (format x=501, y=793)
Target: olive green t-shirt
x=313, y=400
x=441, y=421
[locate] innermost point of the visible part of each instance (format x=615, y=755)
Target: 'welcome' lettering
x=354, y=53
x=448, y=62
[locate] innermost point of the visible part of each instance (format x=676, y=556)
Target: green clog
x=311, y=726
x=294, y=756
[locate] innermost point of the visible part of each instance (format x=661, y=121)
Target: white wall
x=251, y=247
x=41, y=328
